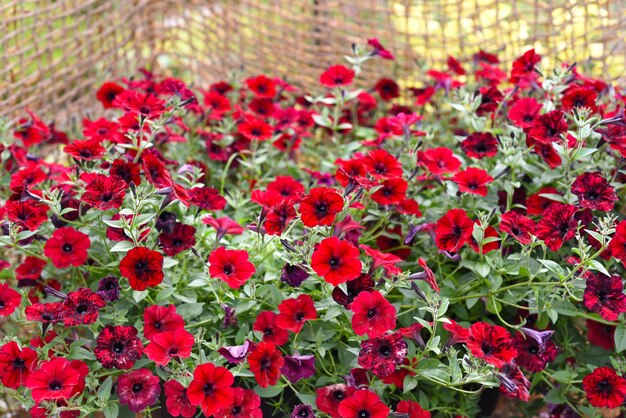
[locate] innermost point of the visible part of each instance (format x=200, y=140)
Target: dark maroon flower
x=605, y=388
x=557, y=225
x=382, y=355
x=105, y=192
x=363, y=283
x=230, y=317
x=535, y=349
x=138, y=389
x=298, y=367
x=387, y=89
x=81, y=307
x=491, y=343
x=513, y=383
x=293, y=275
x=166, y=222
x=118, y=347
x=601, y=335
x=109, y=288
x=303, y=411
x=480, y=145
x=605, y=295
x=594, y=192
x=549, y=127
x=518, y=226
x=180, y=239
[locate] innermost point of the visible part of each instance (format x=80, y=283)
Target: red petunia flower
x=279, y=217
x=535, y=349
x=617, y=245
x=46, y=313
x=329, y=398
x=387, y=89
x=81, y=307
x=107, y=93
x=211, y=388
x=373, y=314
x=262, y=86
x=557, y=225
x=320, y=207
x=601, y=335
x=413, y=409
x=391, y=192
x=518, y=226
x=266, y=324
x=379, y=49
x=27, y=214
x=382, y=355
x=58, y=378
x=9, y=300
x=453, y=230
x=16, y=364
x=336, y=260
x=594, y=192
x=180, y=239
x=207, y=198
x=255, y=129
x=337, y=76
x=439, y=160
x=295, y=312
x=513, y=383
x=128, y=171
x=491, y=343
x=30, y=269
x=382, y=165
x=605, y=295
x=523, y=72
x=287, y=187
x=387, y=261
x=86, y=150
x=118, y=347
x=548, y=128
x=480, y=145
x=265, y=362
x=170, y=345
x=27, y=177
x=159, y=319
x=579, y=96
x=231, y=266
x=473, y=180
x=67, y=247
x=245, y=404
x=605, y=388
x=142, y=267
x=105, y=192
x=524, y=112
x=147, y=106
x=138, y=389
x=363, y=403
x=536, y=204
x=176, y=400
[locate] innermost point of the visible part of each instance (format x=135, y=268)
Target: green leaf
x=596, y=265
x=111, y=411
x=122, y=247
x=190, y=310
x=138, y=296
x=482, y=269
x=564, y=376
x=409, y=384
x=269, y=392
x=554, y=267
x=620, y=338
x=104, y=391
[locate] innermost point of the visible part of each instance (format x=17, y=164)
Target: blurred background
x=55, y=53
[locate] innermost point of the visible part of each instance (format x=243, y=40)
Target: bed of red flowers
x=250, y=250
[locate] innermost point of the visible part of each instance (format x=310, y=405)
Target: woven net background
x=55, y=53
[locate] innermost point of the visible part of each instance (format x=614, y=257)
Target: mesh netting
x=55, y=53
